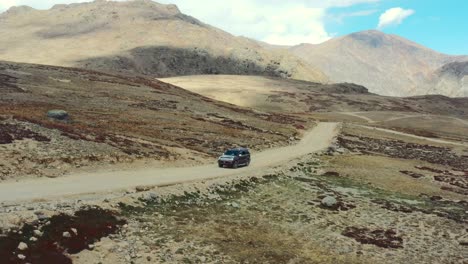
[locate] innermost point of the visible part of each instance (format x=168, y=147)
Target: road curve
x=316, y=139
x=435, y=140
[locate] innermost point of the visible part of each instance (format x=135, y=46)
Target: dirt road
x=435, y=140
x=317, y=139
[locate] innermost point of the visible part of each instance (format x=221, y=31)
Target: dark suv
x=234, y=158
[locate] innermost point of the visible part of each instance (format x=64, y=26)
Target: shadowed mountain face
x=386, y=64
x=452, y=77
x=138, y=37
x=167, y=62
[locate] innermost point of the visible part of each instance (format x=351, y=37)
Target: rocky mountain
x=452, y=77
x=139, y=36
x=386, y=64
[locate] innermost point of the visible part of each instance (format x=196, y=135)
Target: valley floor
x=374, y=196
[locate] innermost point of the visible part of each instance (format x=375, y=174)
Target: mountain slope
x=386, y=64
x=452, y=77
x=138, y=37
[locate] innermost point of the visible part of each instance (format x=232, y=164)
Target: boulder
x=329, y=202
x=61, y=115
x=37, y=233
x=22, y=246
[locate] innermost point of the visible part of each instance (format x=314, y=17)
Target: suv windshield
x=231, y=153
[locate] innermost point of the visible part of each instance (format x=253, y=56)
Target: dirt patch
x=412, y=174
x=12, y=132
x=51, y=240
x=379, y=237
x=8, y=84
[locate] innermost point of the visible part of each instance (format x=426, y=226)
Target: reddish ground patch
x=380, y=238
x=90, y=224
x=10, y=133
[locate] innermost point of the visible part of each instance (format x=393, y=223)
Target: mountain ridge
x=385, y=63
x=68, y=35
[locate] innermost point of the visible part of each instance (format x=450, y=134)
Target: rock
x=329, y=201
x=150, y=197
x=74, y=231
x=33, y=239
x=143, y=188
x=37, y=233
x=66, y=234
x=332, y=174
x=22, y=246
x=41, y=217
x=21, y=256
x=91, y=246
x=463, y=241
x=341, y=150
x=58, y=115
x=234, y=204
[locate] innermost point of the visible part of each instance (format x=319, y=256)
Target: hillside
x=141, y=37
x=118, y=120
x=430, y=115
x=386, y=64
x=452, y=76
x=293, y=96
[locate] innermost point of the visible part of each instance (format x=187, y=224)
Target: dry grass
x=383, y=172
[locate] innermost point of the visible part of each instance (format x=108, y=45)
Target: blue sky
x=440, y=25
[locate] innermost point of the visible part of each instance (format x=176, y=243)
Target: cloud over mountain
x=276, y=22
x=394, y=16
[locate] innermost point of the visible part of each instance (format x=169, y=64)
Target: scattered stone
x=66, y=234
x=37, y=233
x=33, y=239
x=61, y=115
x=21, y=257
x=332, y=174
x=234, y=205
x=329, y=202
x=149, y=197
x=22, y=246
x=74, y=231
x=91, y=246
x=143, y=188
x=412, y=174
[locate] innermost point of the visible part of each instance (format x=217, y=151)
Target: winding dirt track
x=316, y=139
x=435, y=140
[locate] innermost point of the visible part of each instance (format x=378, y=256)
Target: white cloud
x=5, y=4
x=394, y=16
x=274, y=21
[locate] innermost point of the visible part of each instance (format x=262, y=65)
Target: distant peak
x=372, y=38
x=19, y=9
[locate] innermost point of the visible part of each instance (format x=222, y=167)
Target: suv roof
x=239, y=148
